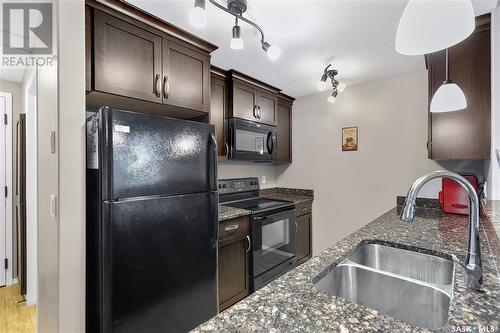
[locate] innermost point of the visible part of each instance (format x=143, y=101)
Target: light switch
x=264, y=179
x=53, y=205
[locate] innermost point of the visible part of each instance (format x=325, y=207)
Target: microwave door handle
x=270, y=142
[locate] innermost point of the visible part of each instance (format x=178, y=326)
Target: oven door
x=252, y=141
x=273, y=240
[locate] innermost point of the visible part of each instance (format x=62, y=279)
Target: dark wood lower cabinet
x=303, y=235
x=233, y=261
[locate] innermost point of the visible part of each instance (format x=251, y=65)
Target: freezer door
x=145, y=155
x=160, y=263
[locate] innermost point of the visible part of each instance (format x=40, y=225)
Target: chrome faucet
x=472, y=265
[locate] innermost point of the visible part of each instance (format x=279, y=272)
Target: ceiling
x=357, y=37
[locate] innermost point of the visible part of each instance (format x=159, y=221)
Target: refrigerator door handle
x=213, y=162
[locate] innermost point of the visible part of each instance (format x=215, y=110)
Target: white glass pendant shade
x=428, y=26
x=198, y=17
x=449, y=97
x=322, y=85
x=273, y=52
x=331, y=99
x=237, y=44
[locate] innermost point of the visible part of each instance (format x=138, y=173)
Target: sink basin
x=415, y=303
x=410, y=286
x=415, y=265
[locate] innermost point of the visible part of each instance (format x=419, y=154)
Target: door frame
x=8, y=182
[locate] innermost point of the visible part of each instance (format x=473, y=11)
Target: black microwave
x=251, y=141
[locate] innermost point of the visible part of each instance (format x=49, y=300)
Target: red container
x=453, y=198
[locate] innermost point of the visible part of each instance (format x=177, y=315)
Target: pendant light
x=235, y=8
x=428, y=26
x=236, y=41
x=449, y=96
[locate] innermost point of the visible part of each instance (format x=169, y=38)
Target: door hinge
x=5, y=118
x=6, y=263
x=429, y=145
x=6, y=191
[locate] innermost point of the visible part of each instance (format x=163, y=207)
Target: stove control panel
x=227, y=186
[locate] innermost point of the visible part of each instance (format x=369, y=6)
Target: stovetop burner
x=257, y=205
x=244, y=193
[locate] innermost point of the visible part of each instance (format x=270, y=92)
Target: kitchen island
x=293, y=304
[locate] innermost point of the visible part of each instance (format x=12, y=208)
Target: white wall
x=30, y=109
x=267, y=174
x=493, y=165
x=353, y=188
x=71, y=140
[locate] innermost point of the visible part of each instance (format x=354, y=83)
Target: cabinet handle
x=304, y=208
x=255, y=109
x=296, y=226
x=231, y=227
x=227, y=149
x=260, y=112
x=166, y=87
x=157, y=85
x=249, y=247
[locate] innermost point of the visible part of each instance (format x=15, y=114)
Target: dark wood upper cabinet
x=185, y=77
x=463, y=134
x=268, y=108
x=252, y=99
x=218, y=109
x=284, y=113
x=133, y=57
x=127, y=59
x=244, y=104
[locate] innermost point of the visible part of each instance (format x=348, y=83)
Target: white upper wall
x=353, y=188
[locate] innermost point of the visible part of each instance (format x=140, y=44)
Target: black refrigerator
x=151, y=223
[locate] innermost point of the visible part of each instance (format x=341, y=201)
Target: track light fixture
x=235, y=8
x=338, y=87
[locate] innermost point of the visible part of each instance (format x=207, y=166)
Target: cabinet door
x=234, y=272
x=127, y=59
x=284, y=133
x=244, y=102
x=185, y=77
x=303, y=238
x=463, y=134
x=268, y=108
x=218, y=111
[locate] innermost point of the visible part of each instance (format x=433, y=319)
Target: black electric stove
x=272, y=228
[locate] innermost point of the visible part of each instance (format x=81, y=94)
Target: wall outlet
x=263, y=180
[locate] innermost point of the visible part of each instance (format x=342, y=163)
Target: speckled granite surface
x=292, y=303
x=227, y=213
x=288, y=194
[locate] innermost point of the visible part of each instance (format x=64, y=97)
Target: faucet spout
x=473, y=264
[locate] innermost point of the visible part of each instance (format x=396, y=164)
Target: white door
x=3, y=225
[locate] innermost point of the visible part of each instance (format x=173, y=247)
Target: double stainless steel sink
x=407, y=285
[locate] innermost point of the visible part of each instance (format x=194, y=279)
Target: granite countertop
x=227, y=213
x=278, y=193
x=288, y=194
x=292, y=303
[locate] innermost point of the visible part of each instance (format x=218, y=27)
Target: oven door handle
x=261, y=218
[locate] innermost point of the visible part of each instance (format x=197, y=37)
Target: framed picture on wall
x=349, y=138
